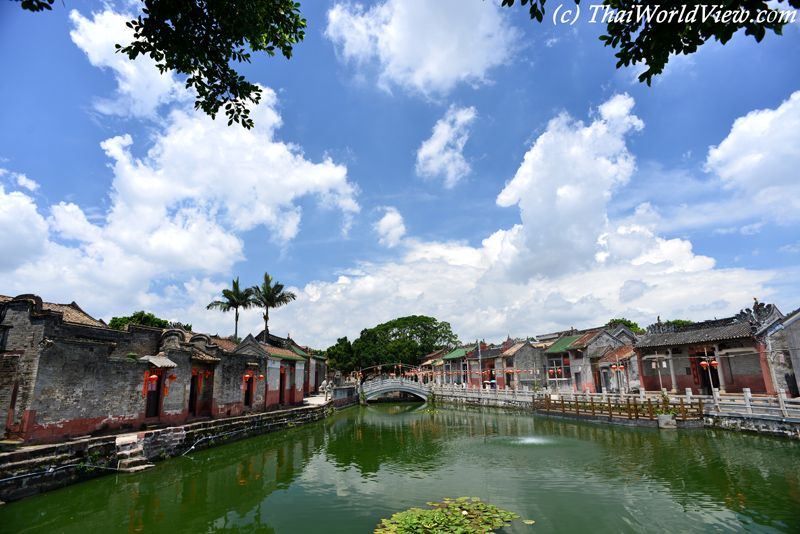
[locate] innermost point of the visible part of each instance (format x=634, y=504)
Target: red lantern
x=614, y=367
x=704, y=364
x=207, y=373
x=153, y=378
x=559, y=371
x=621, y=367
x=172, y=378
x=261, y=377
x=714, y=364
x=551, y=372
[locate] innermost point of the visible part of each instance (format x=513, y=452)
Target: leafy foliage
x=200, y=38
x=235, y=298
x=679, y=322
x=402, y=340
x=140, y=317
x=462, y=515
x=270, y=295
x=633, y=327
x=651, y=40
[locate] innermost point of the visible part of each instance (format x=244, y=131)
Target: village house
x=527, y=362
x=573, y=359
x=65, y=374
x=619, y=370
x=730, y=354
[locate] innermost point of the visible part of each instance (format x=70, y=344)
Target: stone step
x=127, y=446
x=130, y=453
x=132, y=462
x=136, y=468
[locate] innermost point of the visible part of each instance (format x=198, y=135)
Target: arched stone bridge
x=373, y=388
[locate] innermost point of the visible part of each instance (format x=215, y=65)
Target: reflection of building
x=730, y=354
x=64, y=373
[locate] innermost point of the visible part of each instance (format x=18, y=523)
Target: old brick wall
x=80, y=390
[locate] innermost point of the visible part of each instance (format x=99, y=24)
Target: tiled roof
x=200, y=356
x=622, y=353
x=584, y=340
x=696, y=333
x=513, y=350
x=73, y=314
x=460, y=352
x=284, y=354
x=224, y=343
x=562, y=344
x=299, y=351
x=429, y=358
x=4, y=298
x=488, y=353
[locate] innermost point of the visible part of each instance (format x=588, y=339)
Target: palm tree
x=268, y=296
x=234, y=299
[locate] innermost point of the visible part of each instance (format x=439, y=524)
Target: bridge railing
x=388, y=384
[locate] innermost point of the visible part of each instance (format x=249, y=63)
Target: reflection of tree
x=375, y=438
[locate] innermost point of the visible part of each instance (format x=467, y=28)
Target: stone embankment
x=29, y=471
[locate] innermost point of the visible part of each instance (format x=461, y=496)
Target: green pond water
x=346, y=473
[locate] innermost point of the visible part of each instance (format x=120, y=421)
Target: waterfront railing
x=744, y=404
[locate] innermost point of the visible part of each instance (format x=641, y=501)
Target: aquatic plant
x=464, y=515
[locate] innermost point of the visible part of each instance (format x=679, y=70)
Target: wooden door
x=153, y=397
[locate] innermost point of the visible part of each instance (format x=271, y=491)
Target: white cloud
x=141, y=87
x=180, y=210
x=564, y=185
x=791, y=248
x=758, y=162
x=442, y=153
x=22, y=230
x=390, y=228
x=421, y=46
x=24, y=181
x=600, y=268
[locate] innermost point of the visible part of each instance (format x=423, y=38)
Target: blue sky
x=449, y=158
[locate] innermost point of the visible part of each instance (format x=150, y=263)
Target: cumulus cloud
x=390, y=228
x=575, y=265
x=180, y=209
x=758, y=162
x=423, y=47
x=142, y=89
x=22, y=230
x=442, y=154
x=564, y=185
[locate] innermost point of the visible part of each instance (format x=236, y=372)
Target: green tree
x=200, y=38
x=340, y=356
x=679, y=322
x=270, y=295
x=633, y=327
x=140, y=317
x=648, y=40
x=235, y=298
x=402, y=340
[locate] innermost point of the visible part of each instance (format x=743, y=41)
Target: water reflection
x=348, y=472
